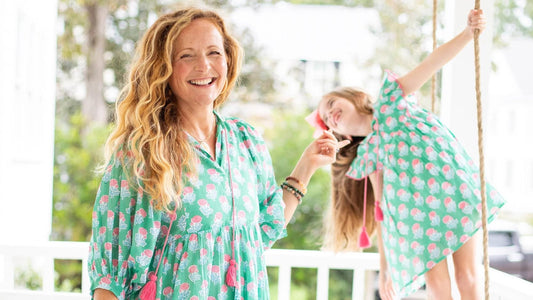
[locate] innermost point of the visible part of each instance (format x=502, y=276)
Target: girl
x=424, y=185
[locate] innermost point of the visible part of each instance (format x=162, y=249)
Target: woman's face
x=341, y=116
x=200, y=66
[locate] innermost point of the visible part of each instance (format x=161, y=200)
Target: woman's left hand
x=323, y=150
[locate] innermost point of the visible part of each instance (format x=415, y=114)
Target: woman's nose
x=202, y=63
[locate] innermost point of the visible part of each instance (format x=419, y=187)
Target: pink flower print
x=139, y=216
x=446, y=170
x=193, y=273
x=403, y=245
x=241, y=217
x=416, y=151
x=105, y=282
x=433, y=185
x=431, y=154
x=389, y=175
x=430, y=264
x=224, y=203
x=417, y=214
x=402, y=228
x=196, y=224
x=417, y=264
x=389, y=190
x=214, y=176
x=215, y=273
x=422, y=127
x=223, y=292
x=113, y=188
x=385, y=109
x=403, y=195
x=467, y=224
x=446, y=251
x=203, y=256
x=184, y=291
x=211, y=191
x=402, y=211
x=403, y=149
x=248, y=204
x=418, y=199
x=417, y=166
x=417, y=231
x=404, y=274
x=140, y=237
x=205, y=209
x=417, y=182
x=102, y=203
x=433, y=234
x=433, y=202
x=403, y=164
x=250, y=287
x=268, y=231
x=167, y=292
x=417, y=248
x=451, y=238
x=391, y=122
x=434, y=251
x=465, y=207
x=187, y=195
x=450, y=221
x=124, y=189
x=122, y=221
x=404, y=179
x=450, y=204
x=415, y=138
x=434, y=218
x=154, y=231
x=193, y=242
x=432, y=169
x=464, y=238
x=145, y=258
x=448, y=188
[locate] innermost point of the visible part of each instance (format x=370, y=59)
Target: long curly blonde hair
x=344, y=218
x=148, y=122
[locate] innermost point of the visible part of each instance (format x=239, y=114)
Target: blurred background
x=294, y=52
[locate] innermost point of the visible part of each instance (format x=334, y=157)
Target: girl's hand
x=323, y=150
x=386, y=291
x=476, y=20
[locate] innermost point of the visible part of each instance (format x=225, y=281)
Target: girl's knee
x=466, y=279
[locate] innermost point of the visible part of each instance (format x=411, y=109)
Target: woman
x=188, y=202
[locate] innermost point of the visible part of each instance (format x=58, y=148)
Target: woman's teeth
x=202, y=81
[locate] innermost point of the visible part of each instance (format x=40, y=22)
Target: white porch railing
x=503, y=286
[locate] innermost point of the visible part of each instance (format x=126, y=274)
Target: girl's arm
x=386, y=291
x=413, y=80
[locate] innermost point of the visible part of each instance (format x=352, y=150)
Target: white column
x=458, y=105
x=27, y=109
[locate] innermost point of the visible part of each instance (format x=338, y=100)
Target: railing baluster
x=284, y=282
x=358, y=285
x=322, y=283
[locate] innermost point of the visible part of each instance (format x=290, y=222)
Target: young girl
x=424, y=185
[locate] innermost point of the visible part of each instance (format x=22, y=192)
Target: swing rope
x=434, y=77
x=481, y=160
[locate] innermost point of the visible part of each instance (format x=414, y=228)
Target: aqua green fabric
x=128, y=234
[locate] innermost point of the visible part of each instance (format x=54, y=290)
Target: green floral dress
x=431, y=189
x=128, y=234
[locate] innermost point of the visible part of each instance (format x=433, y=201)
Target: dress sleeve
x=366, y=161
x=269, y=194
x=124, y=231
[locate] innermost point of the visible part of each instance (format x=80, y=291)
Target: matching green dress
x=431, y=189
x=128, y=235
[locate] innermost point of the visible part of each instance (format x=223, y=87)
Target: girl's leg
x=466, y=270
x=438, y=284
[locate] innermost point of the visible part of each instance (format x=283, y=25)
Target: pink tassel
x=378, y=213
x=231, y=275
x=149, y=289
x=364, y=240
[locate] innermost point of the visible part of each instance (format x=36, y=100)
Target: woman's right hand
x=386, y=291
x=101, y=294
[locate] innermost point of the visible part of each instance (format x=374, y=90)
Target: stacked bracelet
x=296, y=192
x=299, y=183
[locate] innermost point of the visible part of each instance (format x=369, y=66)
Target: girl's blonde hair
x=344, y=218
x=148, y=122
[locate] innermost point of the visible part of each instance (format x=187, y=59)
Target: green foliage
x=28, y=278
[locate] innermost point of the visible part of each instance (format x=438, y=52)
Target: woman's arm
x=413, y=80
x=320, y=152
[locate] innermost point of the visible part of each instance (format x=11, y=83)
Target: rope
x=481, y=160
x=434, y=77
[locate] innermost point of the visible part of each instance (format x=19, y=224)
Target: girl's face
x=200, y=66
x=341, y=116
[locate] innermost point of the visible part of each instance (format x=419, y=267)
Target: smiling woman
x=188, y=201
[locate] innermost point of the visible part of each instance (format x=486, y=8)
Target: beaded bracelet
x=296, y=192
x=300, y=184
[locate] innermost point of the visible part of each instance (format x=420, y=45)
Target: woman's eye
x=185, y=56
x=214, y=52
